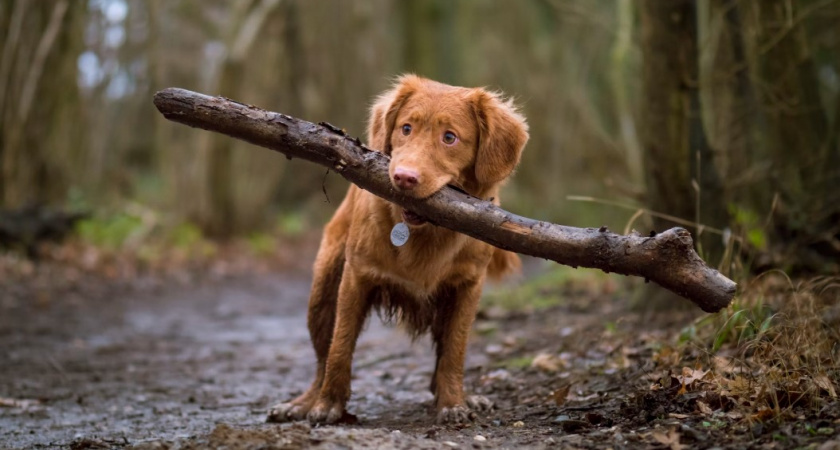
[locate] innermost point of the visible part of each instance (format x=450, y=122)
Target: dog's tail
x=503, y=263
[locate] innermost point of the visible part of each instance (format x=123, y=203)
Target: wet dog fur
x=435, y=135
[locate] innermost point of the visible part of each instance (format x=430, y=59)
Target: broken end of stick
x=721, y=299
x=710, y=290
x=693, y=279
x=174, y=103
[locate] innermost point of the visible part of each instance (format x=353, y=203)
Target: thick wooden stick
x=667, y=258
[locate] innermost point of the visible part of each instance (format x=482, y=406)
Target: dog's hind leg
x=450, y=333
x=445, y=308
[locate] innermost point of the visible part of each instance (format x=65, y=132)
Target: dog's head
x=437, y=134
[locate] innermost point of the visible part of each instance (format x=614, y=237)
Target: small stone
x=518, y=424
x=494, y=349
x=573, y=426
x=450, y=444
x=494, y=376
x=480, y=438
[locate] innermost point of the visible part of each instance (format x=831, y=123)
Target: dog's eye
x=406, y=129
x=449, y=138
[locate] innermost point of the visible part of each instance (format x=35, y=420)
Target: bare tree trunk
x=796, y=135
x=682, y=179
x=788, y=91
x=729, y=101
x=430, y=47
x=44, y=35
x=618, y=78
x=729, y=108
x=219, y=219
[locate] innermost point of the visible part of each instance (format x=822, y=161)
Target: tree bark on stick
x=667, y=258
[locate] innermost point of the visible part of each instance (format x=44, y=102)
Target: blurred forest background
x=717, y=115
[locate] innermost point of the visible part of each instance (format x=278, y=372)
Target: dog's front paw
x=455, y=415
x=326, y=412
x=286, y=412
x=479, y=403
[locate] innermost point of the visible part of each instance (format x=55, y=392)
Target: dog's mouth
x=412, y=218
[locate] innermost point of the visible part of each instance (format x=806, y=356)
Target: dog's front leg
x=452, y=337
x=351, y=312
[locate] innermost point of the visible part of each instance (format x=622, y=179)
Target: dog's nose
x=405, y=179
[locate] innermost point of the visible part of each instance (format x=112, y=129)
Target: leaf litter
x=584, y=371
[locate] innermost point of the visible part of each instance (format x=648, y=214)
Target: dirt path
x=197, y=366
x=169, y=364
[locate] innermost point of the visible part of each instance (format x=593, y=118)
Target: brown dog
x=435, y=135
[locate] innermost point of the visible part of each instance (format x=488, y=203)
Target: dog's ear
x=502, y=133
x=383, y=113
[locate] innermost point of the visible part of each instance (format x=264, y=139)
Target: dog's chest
x=423, y=263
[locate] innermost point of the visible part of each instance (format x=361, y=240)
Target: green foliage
x=125, y=231
x=520, y=362
x=291, y=223
x=111, y=231
x=736, y=325
x=748, y=221
x=714, y=424
x=543, y=291
x=538, y=293
x=186, y=235
x=261, y=243
x=188, y=238
x=487, y=328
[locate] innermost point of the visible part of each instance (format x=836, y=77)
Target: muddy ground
x=166, y=364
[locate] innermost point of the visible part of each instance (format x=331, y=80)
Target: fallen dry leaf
x=690, y=375
x=667, y=356
x=704, y=408
x=547, y=362
x=734, y=415
x=559, y=395
x=825, y=384
x=723, y=364
x=764, y=415
x=829, y=445
x=672, y=439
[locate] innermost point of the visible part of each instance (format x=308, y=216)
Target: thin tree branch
x=37, y=68
x=10, y=47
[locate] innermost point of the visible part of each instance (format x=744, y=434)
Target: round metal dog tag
x=399, y=234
